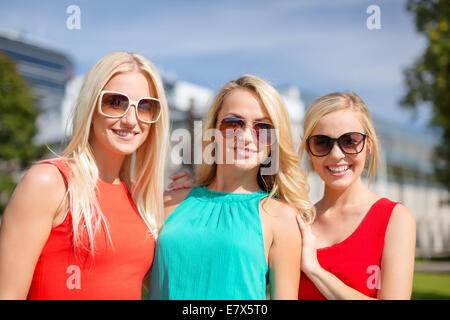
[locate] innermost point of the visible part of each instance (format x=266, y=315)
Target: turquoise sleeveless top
x=211, y=247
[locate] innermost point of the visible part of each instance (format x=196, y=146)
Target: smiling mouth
x=123, y=133
x=339, y=169
x=242, y=150
x=243, y=153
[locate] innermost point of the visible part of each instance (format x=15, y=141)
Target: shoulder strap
x=381, y=214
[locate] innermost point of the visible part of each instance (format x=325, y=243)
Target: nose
x=246, y=135
x=336, y=152
x=130, y=118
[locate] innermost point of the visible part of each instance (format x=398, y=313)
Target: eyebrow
x=241, y=117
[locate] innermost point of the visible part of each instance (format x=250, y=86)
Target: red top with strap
x=356, y=261
x=116, y=271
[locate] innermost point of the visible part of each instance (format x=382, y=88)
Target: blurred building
x=46, y=71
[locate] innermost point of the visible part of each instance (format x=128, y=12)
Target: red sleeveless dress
x=116, y=271
x=356, y=261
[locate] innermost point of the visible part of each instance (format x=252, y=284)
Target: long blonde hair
x=289, y=183
x=143, y=177
x=338, y=101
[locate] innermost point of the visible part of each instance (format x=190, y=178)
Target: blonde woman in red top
x=360, y=246
x=83, y=226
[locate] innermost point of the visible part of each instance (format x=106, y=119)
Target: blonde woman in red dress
x=361, y=245
x=83, y=226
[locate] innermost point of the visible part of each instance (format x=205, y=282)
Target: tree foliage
x=18, y=115
x=428, y=80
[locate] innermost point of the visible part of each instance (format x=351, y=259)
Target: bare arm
x=146, y=280
x=25, y=227
x=285, y=255
x=397, y=262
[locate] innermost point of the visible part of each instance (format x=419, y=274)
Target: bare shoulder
x=173, y=198
x=41, y=189
x=401, y=217
x=281, y=219
x=278, y=209
x=280, y=214
x=44, y=179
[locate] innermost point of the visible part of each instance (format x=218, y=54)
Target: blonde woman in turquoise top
x=237, y=232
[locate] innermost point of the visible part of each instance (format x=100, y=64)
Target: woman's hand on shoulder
x=181, y=180
x=26, y=224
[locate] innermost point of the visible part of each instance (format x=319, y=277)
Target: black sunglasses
x=350, y=143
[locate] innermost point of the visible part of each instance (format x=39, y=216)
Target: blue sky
x=319, y=45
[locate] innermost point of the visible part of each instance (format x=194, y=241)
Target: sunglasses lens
x=352, y=143
x=264, y=132
x=148, y=109
x=114, y=104
x=229, y=126
x=320, y=145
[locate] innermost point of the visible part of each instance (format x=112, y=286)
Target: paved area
x=432, y=266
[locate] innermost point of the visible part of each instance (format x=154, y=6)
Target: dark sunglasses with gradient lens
x=233, y=127
x=115, y=104
x=349, y=143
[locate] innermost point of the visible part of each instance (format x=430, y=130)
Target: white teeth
x=338, y=169
x=123, y=133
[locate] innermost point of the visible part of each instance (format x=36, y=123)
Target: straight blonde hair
x=339, y=101
x=143, y=177
x=289, y=183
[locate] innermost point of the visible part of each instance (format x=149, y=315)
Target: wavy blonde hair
x=339, y=101
x=289, y=183
x=144, y=177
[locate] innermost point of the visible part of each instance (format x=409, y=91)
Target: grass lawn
x=431, y=286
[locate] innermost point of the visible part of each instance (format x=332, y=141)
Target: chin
x=125, y=149
x=339, y=183
x=245, y=166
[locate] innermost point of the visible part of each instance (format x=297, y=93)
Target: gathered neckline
x=225, y=196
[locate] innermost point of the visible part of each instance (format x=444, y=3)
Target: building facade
x=46, y=71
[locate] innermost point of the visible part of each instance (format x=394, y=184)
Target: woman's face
x=243, y=150
x=124, y=135
x=337, y=169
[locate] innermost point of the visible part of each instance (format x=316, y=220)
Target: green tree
x=427, y=79
x=18, y=115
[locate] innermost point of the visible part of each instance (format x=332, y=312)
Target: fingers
x=180, y=180
x=177, y=186
x=305, y=229
x=181, y=183
x=301, y=223
x=178, y=175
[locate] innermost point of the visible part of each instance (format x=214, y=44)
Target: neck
x=345, y=197
x=229, y=179
x=108, y=166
